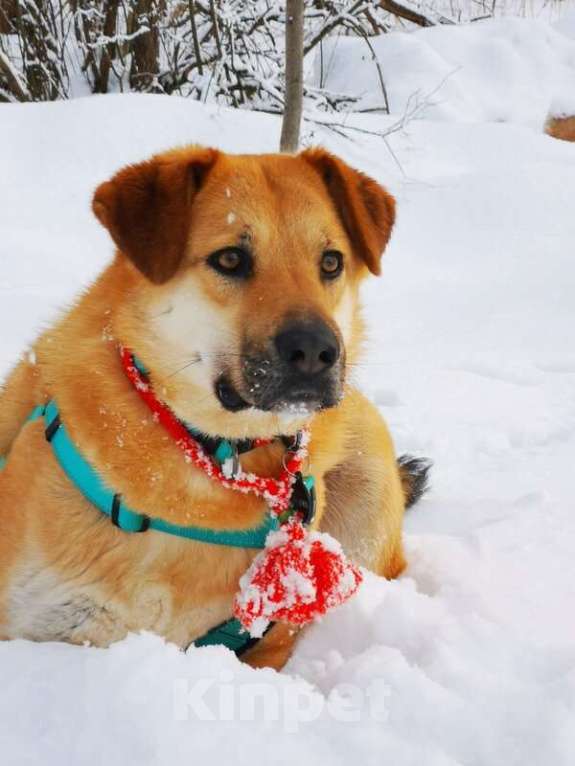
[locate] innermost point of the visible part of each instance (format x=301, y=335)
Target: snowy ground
x=498, y=70
x=470, y=657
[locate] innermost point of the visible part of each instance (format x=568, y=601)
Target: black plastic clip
x=303, y=499
x=52, y=428
x=293, y=443
x=115, y=516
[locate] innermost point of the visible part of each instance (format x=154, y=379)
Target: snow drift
x=497, y=70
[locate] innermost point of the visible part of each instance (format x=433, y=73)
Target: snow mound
x=417, y=678
x=469, y=658
x=497, y=70
x=566, y=24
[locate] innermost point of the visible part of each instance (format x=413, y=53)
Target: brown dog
x=236, y=284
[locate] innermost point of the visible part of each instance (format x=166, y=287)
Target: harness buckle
x=231, y=465
x=303, y=498
x=293, y=443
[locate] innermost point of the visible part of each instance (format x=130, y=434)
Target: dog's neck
x=203, y=415
x=218, y=447
x=225, y=468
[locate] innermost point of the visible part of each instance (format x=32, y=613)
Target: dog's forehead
x=276, y=204
x=277, y=184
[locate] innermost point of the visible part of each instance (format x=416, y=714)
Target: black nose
x=309, y=348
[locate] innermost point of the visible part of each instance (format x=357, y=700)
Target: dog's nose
x=309, y=348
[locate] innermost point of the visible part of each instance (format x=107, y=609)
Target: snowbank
x=470, y=657
x=497, y=70
x=566, y=24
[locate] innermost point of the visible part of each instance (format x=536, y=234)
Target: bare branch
x=391, y=6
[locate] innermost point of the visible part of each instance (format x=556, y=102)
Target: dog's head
x=244, y=298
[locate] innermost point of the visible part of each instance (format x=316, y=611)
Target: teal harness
x=81, y=473
x=87, y=480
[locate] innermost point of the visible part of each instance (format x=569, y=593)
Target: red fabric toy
x=298, y=577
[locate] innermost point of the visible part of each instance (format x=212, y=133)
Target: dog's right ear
x=365, y=208
x=146, y=208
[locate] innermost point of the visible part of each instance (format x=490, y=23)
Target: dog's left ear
x=146, y=208
x=366, y=209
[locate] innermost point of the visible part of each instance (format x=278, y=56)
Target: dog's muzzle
x=303, y=369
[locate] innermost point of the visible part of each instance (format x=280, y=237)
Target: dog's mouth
x=228, y=396
x=278, y=392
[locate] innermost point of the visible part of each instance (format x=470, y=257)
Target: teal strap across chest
x=86, y=479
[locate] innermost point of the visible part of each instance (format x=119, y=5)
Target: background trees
x=228, y=51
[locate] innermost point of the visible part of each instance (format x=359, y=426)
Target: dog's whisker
x=185, y=367
x=161, y=314
x=201, y=356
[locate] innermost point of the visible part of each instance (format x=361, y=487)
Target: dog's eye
x=232, y=262
x=331, y=264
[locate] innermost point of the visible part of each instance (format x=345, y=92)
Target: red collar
x=276, y=492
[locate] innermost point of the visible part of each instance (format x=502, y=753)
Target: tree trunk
x=294, y=77
x=197, y=51
x=109, y=51
x=9, y=78
x=145, y=46
x=8, y=15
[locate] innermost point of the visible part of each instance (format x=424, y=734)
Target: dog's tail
x=414, y=473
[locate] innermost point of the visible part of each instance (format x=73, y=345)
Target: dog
x=235, y=285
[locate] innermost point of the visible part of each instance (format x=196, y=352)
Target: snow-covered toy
x=298, y=577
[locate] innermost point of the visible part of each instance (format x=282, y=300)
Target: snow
x=461, y=11
x=497, y=70
x=566, y=24
x=468, y=658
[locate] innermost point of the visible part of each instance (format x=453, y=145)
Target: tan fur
x=66, y=572
x=562, y=128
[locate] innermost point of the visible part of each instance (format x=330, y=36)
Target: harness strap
x=229, y=633
x=81, y=473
